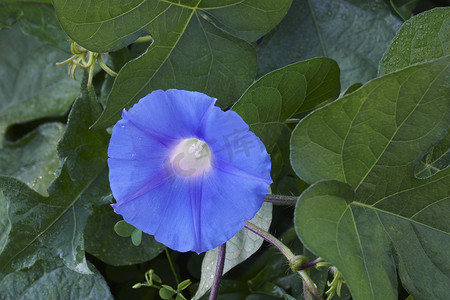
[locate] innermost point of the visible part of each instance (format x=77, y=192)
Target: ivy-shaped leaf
x=378, y=213
x=188, y=51
x=269, y=103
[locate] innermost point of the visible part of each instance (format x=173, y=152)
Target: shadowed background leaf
x=51, y=280
x=38, y=227
x=354, y=33
x=102, y=242
x=32, y=88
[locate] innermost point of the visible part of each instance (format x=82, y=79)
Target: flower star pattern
x=185, y=171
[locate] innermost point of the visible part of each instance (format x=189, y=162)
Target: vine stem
x=294, y=261
x=281, y=199
x=310, y=263
x=171, y=265
x=219, y=272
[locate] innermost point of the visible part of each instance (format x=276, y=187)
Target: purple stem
x=309, y=264
x=219, y=272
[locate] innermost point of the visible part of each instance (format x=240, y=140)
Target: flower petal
x=173, y=113
x=132, y=178
x=234, y=146
x=165, y=212
x=227, y=201
x=129, y=142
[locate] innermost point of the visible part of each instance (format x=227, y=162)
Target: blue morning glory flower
x=185, y=171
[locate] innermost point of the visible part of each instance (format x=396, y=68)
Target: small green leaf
x=123, y=229
x=184, y=284
x=166, y=292
x=169, y=288
x=238, y=249
x=136, y=237
x=422, y=38
x=180, y=297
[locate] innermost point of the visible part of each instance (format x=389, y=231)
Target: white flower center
x=191, y=157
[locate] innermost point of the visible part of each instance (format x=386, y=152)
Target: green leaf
x=350, y=139
x=31, y=85
x=238, y=249
x=250, y=19
x=272, y=100
x=188, y=51
x=123, y=229
x=184, y=284
x=50, y=280
x=379, y=213
x=355, y=33
x=205, y=60
x=136, y=237
x=33, y=159
x=102, y=241
x=420, y=39
x=180, y=297
x=35, y=18
x=166, y=292
x=38, y=227
x=404, y=8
